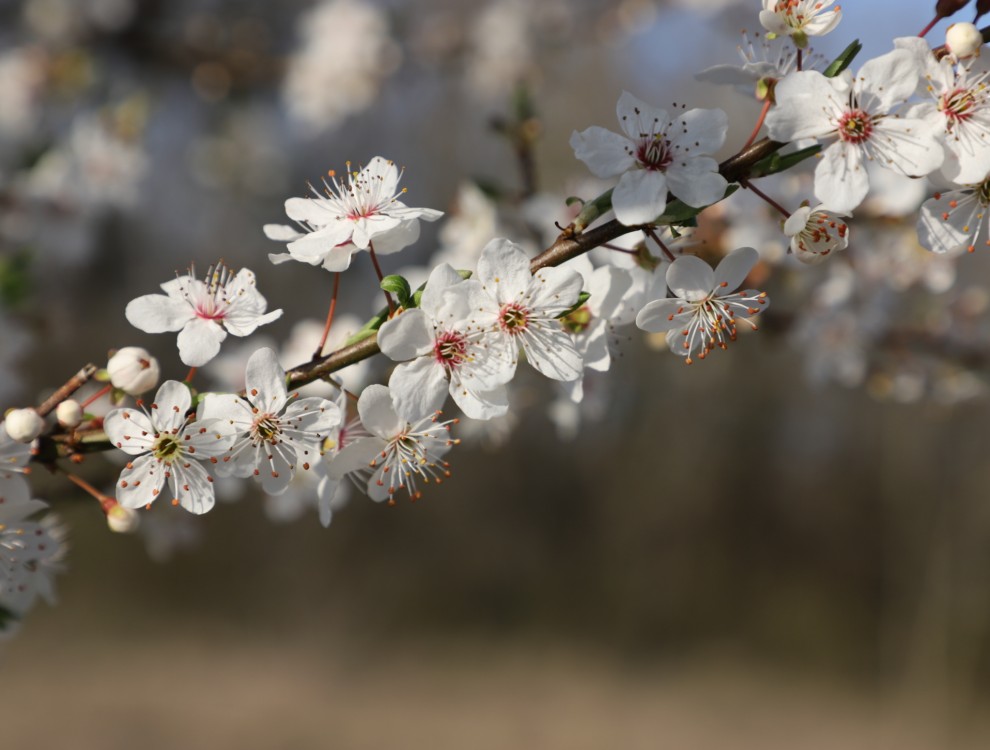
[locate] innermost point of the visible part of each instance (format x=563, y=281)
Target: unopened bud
x=133, y=370
x=69, y=413
x=945, y=8
x=122, y=520
x=963, y=40
x=24, y=425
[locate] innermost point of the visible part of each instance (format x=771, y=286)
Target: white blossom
x=703, y=312
x=815, y=233
x=168, y=446
x=275, y=433
x=203, y=312
x=800, y=19
x=657, y=154
x=133, y=370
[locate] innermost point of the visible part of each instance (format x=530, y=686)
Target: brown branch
x=72, y=385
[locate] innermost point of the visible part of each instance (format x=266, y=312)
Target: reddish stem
x=750, y=186
x=333, y=306
x=106, y=502
x=762, y=117
x=190, y=376
x=381, y=277
x=800, y=58
x=924, y=31
x=656, y=238
x=102, y=392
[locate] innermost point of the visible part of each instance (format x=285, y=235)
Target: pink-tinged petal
x=733, y=269
x=503, y=269
x=172, y=401
x=355, y=456
x=887, y=80
x=264, y=380
x=480, y=404
x=192, y=487
x=281, y=232
x=199, y=342
x=140, y=483
x=690, y=278
x=841, y=180
x=639, y=119
x=156, y=313
x=661, y=315
x=406, y=336
x=442, y=278
x=697, y=181
x=607, y=154
x=418, y=388
x=806, y=107
x=130, y=431
x=698, y=131
x=551, y=352
x=377, y=412
x=640, y=196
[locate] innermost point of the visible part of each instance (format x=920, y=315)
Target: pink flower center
x=513, y=318
x=450, y=349
x=855, y=126
x=958, y=105
x=654, y=153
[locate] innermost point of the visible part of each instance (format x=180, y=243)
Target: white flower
x=956, y=220
x=657, y=154
x=14, y=458
x=169, y=446
x=203, y=312
x=24, y=425
x=703, y=312
x=133, y=370
x=274, y=432
x=446, y=353
x=857, y=112
x=402, y=450
x=958, y=111
x=592, y=326
x=770, y=59
x=30, y=553
x=522, y=308
x=800, y=19
x=362, y=211
x=815, y=233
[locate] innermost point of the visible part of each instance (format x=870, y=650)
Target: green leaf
x=582, y=298
x=678, y=212
x=844, y=59
x=398, y=286
x=778, y=162
x=593, y=209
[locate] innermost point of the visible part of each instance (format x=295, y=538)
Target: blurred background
x=785, y=546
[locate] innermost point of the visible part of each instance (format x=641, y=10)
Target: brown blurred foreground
x=205, y=689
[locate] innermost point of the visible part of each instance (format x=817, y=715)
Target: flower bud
x=963, y=40
x=69, y=413
x=24, y=425
x=133, y=370
x=122, y=520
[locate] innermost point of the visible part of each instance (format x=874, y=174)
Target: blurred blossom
x=63, y=21
x=344, y=56
x=22, y=73
x=502, y=48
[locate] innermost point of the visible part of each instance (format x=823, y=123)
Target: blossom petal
x=640, y=196
x=697, y=181
x=690, y=278
x=199, y=342
x=156, y=313
x=172, y=401
x=660, y=315
x=140, y=482
x=733, y=269
x=377, y=412
x=503, y=269
x=264, y=379
x=406, y=336
x=130, y=431
x=841, y=181
x=606, y=154
x=419, y=387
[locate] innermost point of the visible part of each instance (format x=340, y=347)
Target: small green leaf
x=778, y=162
x=398, y=286
x=843, y=60
x=592, y=210
x=582, y=298
x=572, y=199
x=678, y=212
